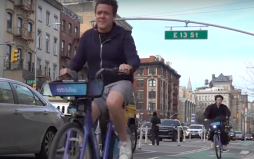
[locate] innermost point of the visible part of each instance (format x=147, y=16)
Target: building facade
x=156, y=88
x=48, y=13
x=186, y=107
x=18, y=26
x=69, y=36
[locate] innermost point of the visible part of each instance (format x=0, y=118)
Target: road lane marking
x=190, y=152
x=244, y=152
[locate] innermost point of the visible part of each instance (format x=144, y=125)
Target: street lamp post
x=35, y=51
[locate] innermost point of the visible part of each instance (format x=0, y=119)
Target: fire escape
x=24, y=31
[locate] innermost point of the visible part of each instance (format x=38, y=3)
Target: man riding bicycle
x=108, y=45
x=218, y=111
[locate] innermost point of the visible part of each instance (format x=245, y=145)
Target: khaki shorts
x=124, y=87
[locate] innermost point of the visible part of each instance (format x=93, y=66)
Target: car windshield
x=248, y=135
x=185, y=127
x=238, y=132
x=147, y=124
x=195, y=127
x=169, y=122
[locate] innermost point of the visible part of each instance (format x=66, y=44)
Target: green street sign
x=249, y=115
x=186, y=34
x=31, y=81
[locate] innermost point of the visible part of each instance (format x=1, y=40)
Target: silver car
x=28, y=122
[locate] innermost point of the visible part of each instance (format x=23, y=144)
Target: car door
x=9, y=137
x=33, y=117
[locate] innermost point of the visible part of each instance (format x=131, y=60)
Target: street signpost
x=249, y=115
x=186, y=35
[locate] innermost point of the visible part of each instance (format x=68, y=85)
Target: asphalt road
x=190, y=149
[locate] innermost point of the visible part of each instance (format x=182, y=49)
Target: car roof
x=196, y=125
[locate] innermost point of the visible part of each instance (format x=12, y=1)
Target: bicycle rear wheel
x=217, y=147
x=57, y=147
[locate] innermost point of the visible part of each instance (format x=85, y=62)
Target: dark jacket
x=212, y=111
x=116, y=48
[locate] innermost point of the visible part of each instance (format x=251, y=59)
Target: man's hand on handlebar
x=64, y=71
x=125, y=68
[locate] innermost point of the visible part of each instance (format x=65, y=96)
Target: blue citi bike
x=77, y=139
x=215, y=127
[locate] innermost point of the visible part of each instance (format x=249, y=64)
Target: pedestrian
x=155, y=121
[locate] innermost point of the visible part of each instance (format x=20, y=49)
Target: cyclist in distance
x=108, y=45
x=218, y=111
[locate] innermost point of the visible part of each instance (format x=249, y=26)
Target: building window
x=152, y=83
x=140, y=83
x=39, y=39
x=140, y=71
x=47, y=18
x=54, y=71
x=139, y=106
x=8, y=53
x=152, y=71
x=69, y=50
x=151, y=106
x=55, y=46
x=9, y=21
x=29, y=59
x=30, y=2
x=152, y=94
x=76, y=31
x=47, y=42
x=56, y=21
x=140, y=94
x=46, y=68
x=19, y=25
x=75, y=51
x=70, y=28
x=63, y=25
x=62, y=47
x=20, y=53
x=39, y=11
x=30, y=29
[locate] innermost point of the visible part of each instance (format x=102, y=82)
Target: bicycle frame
x=89, y=133
x=217, y=134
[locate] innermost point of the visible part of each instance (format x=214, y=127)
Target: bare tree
x=248, y=78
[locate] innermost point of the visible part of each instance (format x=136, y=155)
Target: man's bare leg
x=114, y=103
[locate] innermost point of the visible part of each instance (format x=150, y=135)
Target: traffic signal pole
x=186, y=23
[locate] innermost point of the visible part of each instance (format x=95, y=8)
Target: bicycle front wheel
x=75, y=142
x=217, y=147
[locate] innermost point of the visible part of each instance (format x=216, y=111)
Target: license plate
x=163, y=130
x=194, y=134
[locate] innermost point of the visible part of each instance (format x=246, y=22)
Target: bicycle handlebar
x=74, y=75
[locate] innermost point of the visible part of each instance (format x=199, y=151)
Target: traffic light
x=34, y=86
x=14, y=55
x=238, y=115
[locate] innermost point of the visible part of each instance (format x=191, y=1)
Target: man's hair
x=112, y=3
x=154, y=114
x=218, y=96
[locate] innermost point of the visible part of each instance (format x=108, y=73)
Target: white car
x=196, y=130
x=28, y=122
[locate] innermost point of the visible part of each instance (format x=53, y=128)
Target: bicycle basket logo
x=66, y=90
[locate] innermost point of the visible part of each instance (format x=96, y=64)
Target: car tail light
x=62, y=116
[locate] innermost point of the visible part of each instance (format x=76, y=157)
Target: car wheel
x=46, y=143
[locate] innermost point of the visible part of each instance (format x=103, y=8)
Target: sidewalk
x=250, y=156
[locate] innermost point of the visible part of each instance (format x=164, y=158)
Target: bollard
x=178, y=136
x=204, y=135
x=146, y=133
x=140, y=137
x=184, y=133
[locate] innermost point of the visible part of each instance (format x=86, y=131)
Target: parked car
x=239, y=135
x=249, y=137
x=168, y=129
x=232, y=135
x=28, y=122
x=196, y=130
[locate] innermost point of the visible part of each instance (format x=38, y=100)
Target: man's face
x=218, y=101
x=104, y=16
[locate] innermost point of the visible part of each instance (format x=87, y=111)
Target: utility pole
x=186, y=23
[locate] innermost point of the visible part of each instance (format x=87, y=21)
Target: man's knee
x=115, y=100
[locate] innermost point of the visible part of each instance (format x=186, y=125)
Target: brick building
x=156, y=87
x=69, y=36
